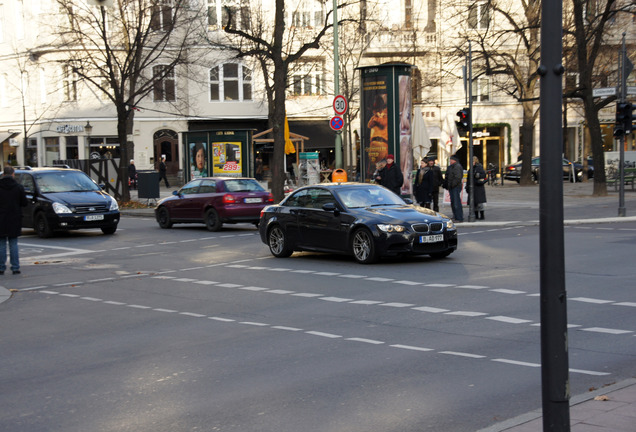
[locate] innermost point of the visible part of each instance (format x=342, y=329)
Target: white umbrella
x=421, y=140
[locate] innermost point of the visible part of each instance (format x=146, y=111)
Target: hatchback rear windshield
x=243, y=185
x=61, y=181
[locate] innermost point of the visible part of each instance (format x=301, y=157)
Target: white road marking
x=369, y=341
x=509, y=320
x=507, y=291
x=327, y=335
x=466, y=313
x=430, y=309
x=591, y=300
x=462, y=354
x=515, y=362
x=366, y=302
x=397, y=305
x=335, y=299
x=410, y=347
x=606, y=330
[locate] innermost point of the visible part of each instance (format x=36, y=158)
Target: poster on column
x=226, y=158
x=198, y=160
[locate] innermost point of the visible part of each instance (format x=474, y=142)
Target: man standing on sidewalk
x=12, y=199
x=163, y=171
x=454, y=177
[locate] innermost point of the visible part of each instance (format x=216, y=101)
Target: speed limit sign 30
x=340, y=105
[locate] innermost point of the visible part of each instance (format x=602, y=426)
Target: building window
x=220, y=10
x=309, y=14
x=308, y=80
x=164, y=84
x=69, y=83
x=479, y=16
x=408, y=14
x=481, y=89
x=161, y=18
x=230, y=82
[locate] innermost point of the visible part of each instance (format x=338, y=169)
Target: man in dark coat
x=132, y=175
x=437, y=181
x=163, y=171
x=454, y=176
x=390, y=176
x=480, y=190
x=423, y=186
x=12, y=199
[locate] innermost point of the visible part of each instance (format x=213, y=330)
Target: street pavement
x=612, y=408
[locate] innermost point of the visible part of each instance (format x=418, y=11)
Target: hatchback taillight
x=229, y=199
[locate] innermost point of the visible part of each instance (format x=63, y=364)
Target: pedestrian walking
x=478, y=173
x=163, y=171
x=132, y=175
x=423, y=184
x=12, y=199
x=454, y=176
x=390, y=176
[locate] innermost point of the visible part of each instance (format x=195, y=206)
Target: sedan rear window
x=243, y=185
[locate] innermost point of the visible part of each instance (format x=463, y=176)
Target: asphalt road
x=187, y=330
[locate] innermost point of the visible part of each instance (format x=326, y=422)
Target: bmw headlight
x=113, y=204
x=60, y=208
x=450, y=224
x=390, y=228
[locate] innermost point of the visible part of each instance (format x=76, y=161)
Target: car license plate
x=252, y=200
x=93, y=217
x=432, y=238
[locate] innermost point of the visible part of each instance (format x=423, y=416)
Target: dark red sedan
x=214, y=201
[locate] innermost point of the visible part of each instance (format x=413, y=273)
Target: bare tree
x=593, y=23
x=128, y=52
x=276, y=47
x=507, y=42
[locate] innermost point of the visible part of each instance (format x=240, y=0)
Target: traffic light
x=463, y=125
x=624, y=119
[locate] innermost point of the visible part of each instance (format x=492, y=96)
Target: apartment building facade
x=50, y=114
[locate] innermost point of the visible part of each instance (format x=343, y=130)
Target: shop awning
x=4, y=136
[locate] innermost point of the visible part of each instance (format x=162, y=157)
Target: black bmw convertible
x=367, y=221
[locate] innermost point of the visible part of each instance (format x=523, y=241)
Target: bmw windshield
x=368, y=196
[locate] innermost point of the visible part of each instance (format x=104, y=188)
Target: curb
x=5, y=294
x=574, y=400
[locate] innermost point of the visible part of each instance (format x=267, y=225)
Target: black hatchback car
x=364, y=220
x=63, y=199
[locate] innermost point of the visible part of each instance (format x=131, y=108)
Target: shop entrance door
x=166, y=142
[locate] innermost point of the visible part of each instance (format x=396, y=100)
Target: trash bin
x=339, y=176
x=148, y=184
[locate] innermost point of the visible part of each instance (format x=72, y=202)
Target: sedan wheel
x=163, y=218
x=278, y=243
x=212, y=220
x=363, y=247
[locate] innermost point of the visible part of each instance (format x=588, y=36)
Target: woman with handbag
x=480, y=179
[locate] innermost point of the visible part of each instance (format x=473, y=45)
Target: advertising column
x=386, y=120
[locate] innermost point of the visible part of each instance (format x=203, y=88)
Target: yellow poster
x=226, y=158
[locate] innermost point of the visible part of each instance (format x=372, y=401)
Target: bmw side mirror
x=408, y=200
x=331, y=207
x=176, y=193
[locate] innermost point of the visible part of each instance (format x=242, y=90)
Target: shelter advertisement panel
x=226, y=157
x=218, y=153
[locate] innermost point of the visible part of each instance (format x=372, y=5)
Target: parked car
x=63, y=199
x=367, y=221
x=513, y=171
x=214, y=201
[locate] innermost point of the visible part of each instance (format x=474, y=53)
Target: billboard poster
x=386, y=103
x=375, y=120
x=198, y=160
x=226, y=158
x=406, y=147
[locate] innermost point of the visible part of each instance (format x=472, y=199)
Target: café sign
x=69, y=128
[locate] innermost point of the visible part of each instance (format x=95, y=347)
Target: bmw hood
x=406, y=213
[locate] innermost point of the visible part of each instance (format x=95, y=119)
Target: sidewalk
x=611, y=409
x=510, y=204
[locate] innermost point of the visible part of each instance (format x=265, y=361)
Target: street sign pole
x=336, y=79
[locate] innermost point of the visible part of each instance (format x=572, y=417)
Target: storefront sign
x=69, y=129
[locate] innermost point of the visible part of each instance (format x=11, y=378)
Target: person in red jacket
x=12, y=199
